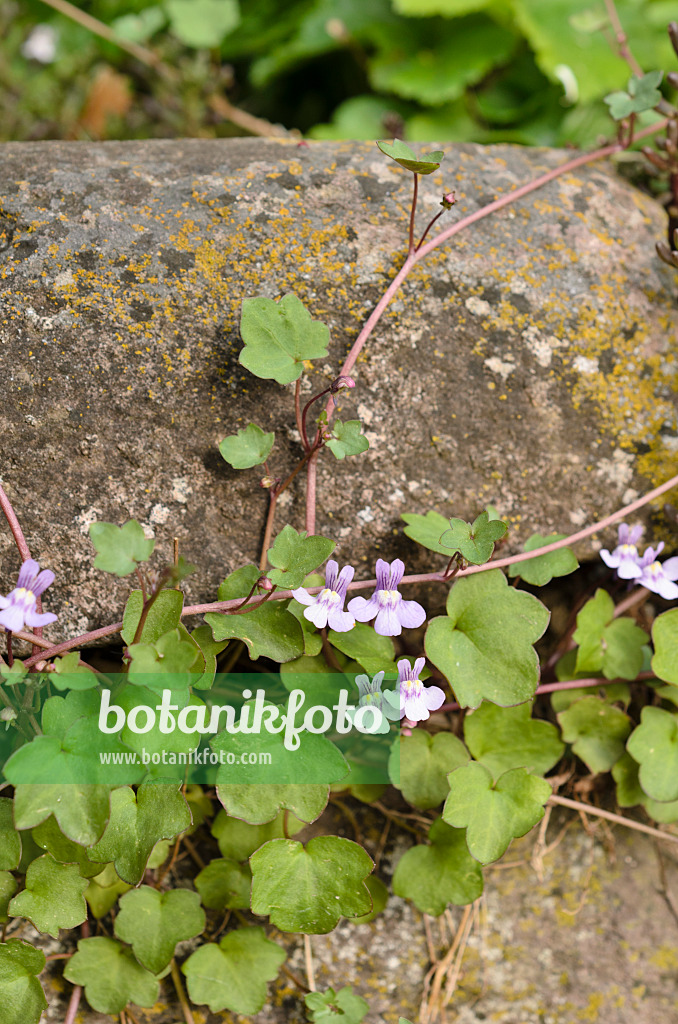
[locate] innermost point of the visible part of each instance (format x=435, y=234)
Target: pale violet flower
x=372, y=697
x=657, y=576
x=412, y=699
x=625, y=558
x=327, y=607
x=387, y=604
x=19, y=608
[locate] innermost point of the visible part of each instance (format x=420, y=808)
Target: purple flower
x=392, y=612
x=659, y=577
x=327, y=607
x=414, y=699
x=625, y=558
x=19, y=608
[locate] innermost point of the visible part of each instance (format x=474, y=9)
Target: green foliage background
x=526, y=71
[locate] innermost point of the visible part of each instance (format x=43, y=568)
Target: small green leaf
x=23, y=1000
x=233, y=975
x=120, y=548
x=279, y=337
x=225, y=884
x=103, y=891
x=403, y=155
x=642, y=94
x=81, y=811
x=295, y=555
x=484, y=644
x=613, y=646
x=154, y=922
x=269, y=631
x=362, y=644
x=597, y=731
x=541, y=570
x=111, y=976
x=49, y=837
x=258, y=804
x=630, y=793
x=505, y=738
x=347, y=439
x=238, y=839
x=442, y=873
x=202, y=24
x=326, y=1007
x=8, y=886
x=494, y=813
x=428, y=530
x=163, y=616
x=307, y=889
x=249, y=447
x=474, y=541
x=166, y=664
x=70, y=674
x=654, y=745
x=665, y=638
x=10, y=839
x=53, y=897
x=419, y=765
x=137, y=822
x=377, y=891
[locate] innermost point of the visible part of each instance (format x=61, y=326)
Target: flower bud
x=266, y=482
x=8, y=715
x=340, y=383
x=40, y=666
x=264, y=583
x=448, y=200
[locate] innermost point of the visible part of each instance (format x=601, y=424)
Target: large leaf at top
x=434, y=62
x=484, y=644
x=250, y=446
x=279, y=336
x=308, y=888
x=81, y=811
x=442, y=873
x=505, y=738
x=138, y=821
x=202, y=24
x=111, y=976
x=665, y=639
x=406, y=157
x=120, y=548
x=420, y=763
x=23, y=1000
x=541, y=570
x=654, y=745
x=233, y=975
x=597, y=731
x=154, y=922
x=295, y=555
x=608, y=644
x=494, y=813
x=53, y=897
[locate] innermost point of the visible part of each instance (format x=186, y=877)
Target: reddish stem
x=412, y=212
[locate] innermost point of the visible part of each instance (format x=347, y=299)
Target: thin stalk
x=412, y=212
x=304, y=435
x=10, y=655
x=311, y=476
x=622, y=39
x=423, y=237
x=297, y=411
x=179, y=988
x=142, y=585
x=618, y=819
x=268, y=530
x=164, y=576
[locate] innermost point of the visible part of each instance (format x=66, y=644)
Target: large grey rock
x=530, y=363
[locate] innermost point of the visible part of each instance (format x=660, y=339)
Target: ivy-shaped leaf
x=238, y=839
x=81, y=811
x=70, y=674
x=233, y=974
x=120, y=548
x=630, y=792
x=53, y=897
x=10, y=839
x=347, y=439
x=665, y=639
x=23, y=1000
x=474, y=541
x=484, y=644
x=597, y=731
x=439, y=874
x=154, y=922
x=295, y=555
x=641, y=94
x=427, y=530
x=258, y=804
x=505, y=738
x=269, y=631
x=166, y=664
x=654, y=745
x=279, y=337
x=225, y=884
x=403, y=155
x=613, y=646
x=419, y=765
x=494, y=813
x=542, y=569
x=249, y=447
x=49, y=837
x=326, y=1007
x=111, y=976
x=137, y=822
x=308, y=888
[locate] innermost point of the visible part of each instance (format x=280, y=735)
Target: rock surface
x=530, y=363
